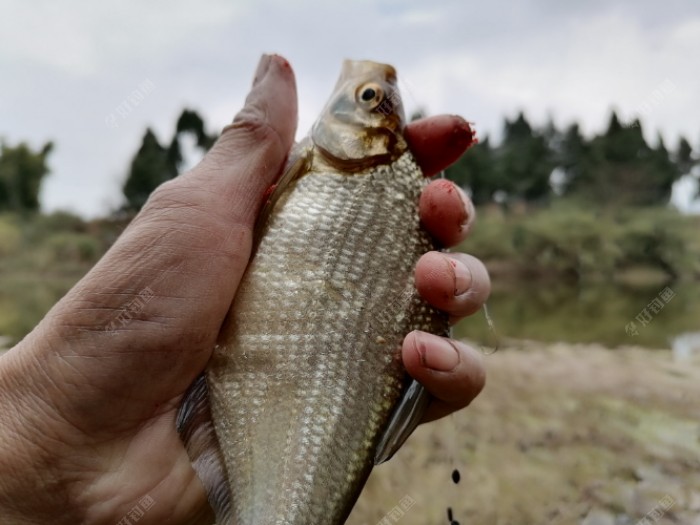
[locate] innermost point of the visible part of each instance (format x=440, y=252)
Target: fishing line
x=494, y=342
x=453, y=472
x=455, y=461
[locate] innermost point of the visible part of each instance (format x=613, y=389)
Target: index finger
x=437, y=142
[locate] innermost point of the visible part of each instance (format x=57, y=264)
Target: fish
x=305, y=391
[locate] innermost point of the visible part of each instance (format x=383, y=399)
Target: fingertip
x=250, y=153
x=435, y=280
x=437, y=142
x=448, y=368
x=456, y=283
x=411, y=354
x=451, y=371
x=271, y=102
x=446, y=212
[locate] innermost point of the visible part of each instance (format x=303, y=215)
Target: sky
x=91, y=76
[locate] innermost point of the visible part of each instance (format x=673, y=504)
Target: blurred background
x=585, y=178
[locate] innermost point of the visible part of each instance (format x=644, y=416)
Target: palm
x=153, y=476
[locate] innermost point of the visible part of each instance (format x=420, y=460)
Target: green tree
x=575, y=158
x=524, y=161
x=474, y=171
x=618, y=167
x=191, y=122
x=662, y=172
x=683, y=156
x=151, y=166
x=154, y=163
x=22, y=171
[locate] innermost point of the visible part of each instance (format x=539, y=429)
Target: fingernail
x=469, y=211
x=263, y=68
x=436, y=353
x=257, y=91
x=464, y=134
x=463, y=276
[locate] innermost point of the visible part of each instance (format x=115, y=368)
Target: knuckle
x=251, y=125
x=250, y=131
x=176, y=201
x=168, y=194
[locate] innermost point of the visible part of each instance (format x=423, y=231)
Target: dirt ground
x=562, y=434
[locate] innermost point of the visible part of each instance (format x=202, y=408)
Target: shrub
x=75, y=247
x=10, y=236
x=584, y=243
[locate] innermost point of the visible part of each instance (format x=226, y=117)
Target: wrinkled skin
x=87, y=414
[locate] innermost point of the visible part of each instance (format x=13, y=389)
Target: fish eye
x=370, y=95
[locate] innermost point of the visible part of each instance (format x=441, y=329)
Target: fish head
x=362, y=123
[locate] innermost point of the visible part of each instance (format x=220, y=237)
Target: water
x=686, y=346
x=659, y=317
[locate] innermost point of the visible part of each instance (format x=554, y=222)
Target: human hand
x=89, y=398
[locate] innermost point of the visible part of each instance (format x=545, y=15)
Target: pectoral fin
x=403, y=421
x=196, y=430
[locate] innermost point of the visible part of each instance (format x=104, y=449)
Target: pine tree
x=191, y=122
x=474, y=171
x=575, y=158
x=620, y=168
x=683, y=156
x=22, y=171
x=154, y=163
x=524, y=162
x=151, y=166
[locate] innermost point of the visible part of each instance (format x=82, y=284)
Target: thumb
x=250, y=153
x=107, y=342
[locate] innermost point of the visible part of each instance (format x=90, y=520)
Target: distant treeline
x=529, y=165
x=616, y=167
x=22, y=169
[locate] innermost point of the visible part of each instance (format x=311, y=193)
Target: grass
x=41, y=258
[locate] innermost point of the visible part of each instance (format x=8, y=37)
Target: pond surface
x=597, y=313
x=663, y=316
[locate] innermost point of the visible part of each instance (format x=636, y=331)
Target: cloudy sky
x=66, y=68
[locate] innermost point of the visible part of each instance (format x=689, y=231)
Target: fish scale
x=333, y=384
x=305, y=390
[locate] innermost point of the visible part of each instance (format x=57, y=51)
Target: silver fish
x=305, y=390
